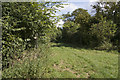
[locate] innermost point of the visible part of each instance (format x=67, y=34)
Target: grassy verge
x=31, y=65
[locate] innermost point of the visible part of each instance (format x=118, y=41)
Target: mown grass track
x=69, y=62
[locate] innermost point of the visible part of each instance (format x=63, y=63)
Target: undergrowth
x=32, y=64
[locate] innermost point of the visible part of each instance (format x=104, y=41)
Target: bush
x=105, y=46
x=32, y=65
x=25, y=69
x=21, y=23
x=104, y=32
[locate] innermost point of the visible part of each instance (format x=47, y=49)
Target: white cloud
x=60, y=23
x=78, y=0
x=72, y=5
x=93, y=0
x=68, y=8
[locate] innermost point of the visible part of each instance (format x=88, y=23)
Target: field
x=69, y=62
x=66, y=61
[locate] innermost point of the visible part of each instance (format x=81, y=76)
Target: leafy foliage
x=29, y=27
x=93, y=31
x=111, y=12
x=104, y=30
x=31, y=65
x=76, y=26
x=69, y=29
x=25, y=25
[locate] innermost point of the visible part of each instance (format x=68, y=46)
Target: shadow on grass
x=78, y=46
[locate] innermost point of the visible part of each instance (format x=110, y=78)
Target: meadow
x=65, y=61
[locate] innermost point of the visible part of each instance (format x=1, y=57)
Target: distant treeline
x=101, y=31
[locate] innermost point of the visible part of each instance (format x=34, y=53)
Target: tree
x=24, y=25
x=81, y=16
x=69, y=29
x=110, y=10
x=104, y=31
x=76, y=26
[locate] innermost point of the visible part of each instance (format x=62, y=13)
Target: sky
x=75, y=4
x=72, y=5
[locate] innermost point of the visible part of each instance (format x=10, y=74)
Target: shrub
x=105, y=46
x=104, y=31
x=21, y=23
x=32, y=65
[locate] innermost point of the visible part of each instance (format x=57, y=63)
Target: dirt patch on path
x=58, y=67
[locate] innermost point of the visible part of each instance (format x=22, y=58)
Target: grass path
x=68, y=62
x=64, y=61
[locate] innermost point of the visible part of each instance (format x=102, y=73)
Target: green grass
x=66, y=61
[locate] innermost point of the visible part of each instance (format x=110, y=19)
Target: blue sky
x=72, y=5
x=75, y=4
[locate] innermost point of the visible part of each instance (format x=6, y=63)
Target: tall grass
x=32, y=64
